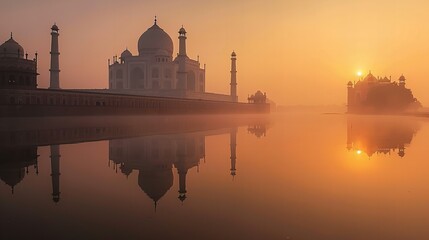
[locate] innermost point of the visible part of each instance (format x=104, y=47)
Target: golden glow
x=359, y=73
x=359, y=152
x=293, y=50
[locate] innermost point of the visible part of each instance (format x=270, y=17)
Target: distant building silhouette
x=380, y=95
x=16, y=70
x=258, y=97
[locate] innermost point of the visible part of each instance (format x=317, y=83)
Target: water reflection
x=151, y=146
x=380, y=135
x=16, y=162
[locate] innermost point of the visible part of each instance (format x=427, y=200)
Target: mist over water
x=286, y=176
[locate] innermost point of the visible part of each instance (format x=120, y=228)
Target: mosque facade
x=380, y=95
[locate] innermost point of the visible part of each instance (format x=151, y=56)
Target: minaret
x=233, y=145
x=350, y=96
x=234, y=77
x=55, y=62
x=55, y=172
x=181, y=73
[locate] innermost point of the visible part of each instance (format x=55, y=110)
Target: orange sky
x=299, y=52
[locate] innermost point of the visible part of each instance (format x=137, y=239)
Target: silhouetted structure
x=380, y=95
x=379, y=135
x=233, y=83
x=258, y=98
x=151, y=83
x=16, y=71
x=55, y=59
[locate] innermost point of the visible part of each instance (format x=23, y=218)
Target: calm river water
x=284, y=176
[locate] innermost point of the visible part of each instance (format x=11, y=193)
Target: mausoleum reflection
x=153, y=153
x=380, y=135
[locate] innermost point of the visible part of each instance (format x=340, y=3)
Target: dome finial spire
x=155, y=21
x=11, y=35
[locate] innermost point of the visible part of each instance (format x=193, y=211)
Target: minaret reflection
x=233, y=146
x=15, y=162
x=380, y=135
x=55, y=172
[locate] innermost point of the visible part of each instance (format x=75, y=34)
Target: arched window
x=136, y=78
x=119, y=73
x=155, y=73
x=191, y=81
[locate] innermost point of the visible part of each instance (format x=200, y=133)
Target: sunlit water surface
x=286, y=176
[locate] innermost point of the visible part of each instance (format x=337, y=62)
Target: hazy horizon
x=299, y=52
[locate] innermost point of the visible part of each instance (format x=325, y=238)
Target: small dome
x=155, y=39
x=259, y=94
x=370, y=77
x=11, y=48
x=402, y=78
x=126, y=54
x=350, y=83
x=233, y=54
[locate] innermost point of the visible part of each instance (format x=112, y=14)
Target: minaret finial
x=155, y=20
x=11, y=35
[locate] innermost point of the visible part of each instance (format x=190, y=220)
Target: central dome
x=153, y=40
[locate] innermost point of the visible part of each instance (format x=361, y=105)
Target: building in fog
x=377, y=95
x=16, y=70
x=154, y=71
